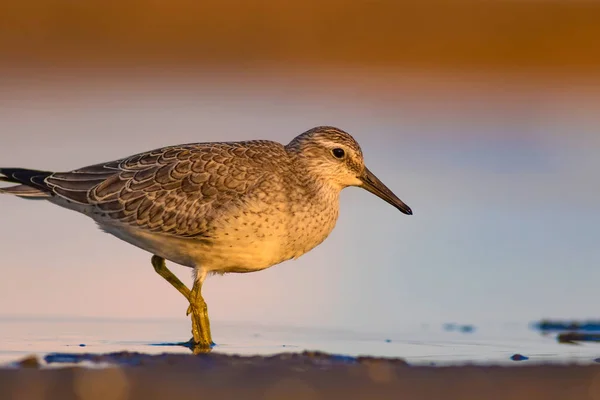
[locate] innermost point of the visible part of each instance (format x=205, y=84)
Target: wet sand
x=129, y=376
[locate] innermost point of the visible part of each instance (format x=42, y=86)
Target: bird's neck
x=313, y=183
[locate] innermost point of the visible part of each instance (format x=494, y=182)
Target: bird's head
x=336, y=158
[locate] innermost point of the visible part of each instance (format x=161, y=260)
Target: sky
x=501, y=176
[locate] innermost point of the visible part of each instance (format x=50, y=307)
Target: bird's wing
x=174, y=190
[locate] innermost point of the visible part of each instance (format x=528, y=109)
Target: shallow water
x=419, y=345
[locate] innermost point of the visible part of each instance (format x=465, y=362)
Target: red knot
x=215, y=207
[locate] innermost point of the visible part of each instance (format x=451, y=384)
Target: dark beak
x=371, y=183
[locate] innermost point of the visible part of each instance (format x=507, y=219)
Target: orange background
x=553, y=36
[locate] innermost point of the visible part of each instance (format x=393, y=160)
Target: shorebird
x=215, y=207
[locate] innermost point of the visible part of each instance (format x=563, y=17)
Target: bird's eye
x=338, y=153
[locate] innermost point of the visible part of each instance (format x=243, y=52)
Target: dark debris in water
x=519, y=357
x=562, y=326
x=138, y=359
x=575, y=337
x=571, y=332
x=467, y=329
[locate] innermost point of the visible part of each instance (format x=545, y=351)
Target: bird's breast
x=308, y=228
x=264, y=234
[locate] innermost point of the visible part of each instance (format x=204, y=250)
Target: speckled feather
x=218, y=207
x=174, y=190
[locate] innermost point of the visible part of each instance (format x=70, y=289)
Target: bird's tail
x=30, y=183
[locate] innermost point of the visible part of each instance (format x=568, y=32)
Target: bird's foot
x=201, y=336
x=197, y=348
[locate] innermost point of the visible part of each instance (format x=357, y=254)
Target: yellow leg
x=161, y=268
x=202, y=340
x=200, y=322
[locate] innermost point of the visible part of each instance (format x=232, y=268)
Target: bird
x=215, y=207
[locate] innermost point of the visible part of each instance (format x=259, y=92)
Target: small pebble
x=29, y=362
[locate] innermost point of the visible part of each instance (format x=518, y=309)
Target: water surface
x=419, y=345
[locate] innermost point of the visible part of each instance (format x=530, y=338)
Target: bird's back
x=173, y=190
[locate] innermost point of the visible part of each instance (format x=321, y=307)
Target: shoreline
x=309, y=375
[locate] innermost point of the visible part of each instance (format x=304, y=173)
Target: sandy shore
x=128, y=376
